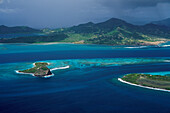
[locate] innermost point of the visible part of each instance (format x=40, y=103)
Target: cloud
x=7, y=10
x=1, y=1
x=4, y=7
x=137, y=10
x=64, y=13
x=131, y=3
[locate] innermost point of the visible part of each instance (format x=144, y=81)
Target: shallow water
x=89, y=85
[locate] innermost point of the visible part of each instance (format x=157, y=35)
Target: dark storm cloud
x=49, y=13
x=1, y=1
x=64, y=13
x=131, y=3
x=138, y=11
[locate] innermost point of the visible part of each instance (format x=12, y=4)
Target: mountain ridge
x=17, y=29
x=111, y=32
x=164, y=22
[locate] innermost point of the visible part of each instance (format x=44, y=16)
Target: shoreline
x=51, y=43
x=33, y=74
x=155, y=43
x=158, y=89
x=147, y=43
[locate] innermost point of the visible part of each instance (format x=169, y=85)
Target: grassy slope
x=120, y=33
x=37, y=66
x=75, y=37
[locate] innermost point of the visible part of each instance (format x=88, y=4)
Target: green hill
x=118, y=32
x=111, y=32
x=17, y=29
x=36, y=39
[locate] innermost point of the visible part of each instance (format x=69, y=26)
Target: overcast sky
x=64, y=13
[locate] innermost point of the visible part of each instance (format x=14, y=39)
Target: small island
x=156, y=82
x=40, y=69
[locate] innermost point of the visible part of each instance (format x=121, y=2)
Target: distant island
x=111, y=32
x=40, y=69
x=156, y=82
x=17, y=29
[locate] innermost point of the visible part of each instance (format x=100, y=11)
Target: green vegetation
x=155, y=81
x=40, y=69
x=34, y=69
x=111, y=32
x=74, y=37
x=118, y=36
x=17, y=29
x=36, y=39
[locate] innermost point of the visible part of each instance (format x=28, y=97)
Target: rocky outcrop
x=42, y=72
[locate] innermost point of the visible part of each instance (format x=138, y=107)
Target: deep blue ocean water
x=90, y=85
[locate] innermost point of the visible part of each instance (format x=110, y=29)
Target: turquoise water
x=10, y=68
x=22, y=48
x=166, y=73
x=90, y=85
x=167, y=44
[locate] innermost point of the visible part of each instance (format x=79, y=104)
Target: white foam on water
x=66, y=67
x=143, y=86
x=136, y=47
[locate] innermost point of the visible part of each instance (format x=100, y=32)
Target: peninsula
x=156, y=82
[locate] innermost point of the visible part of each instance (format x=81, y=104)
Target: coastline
x=51, y=43
x=145, y=43
x=23, y=73
x=158, y=89
x=33, y=74
x=155, y=43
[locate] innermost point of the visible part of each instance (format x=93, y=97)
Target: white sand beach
x=143, y=86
